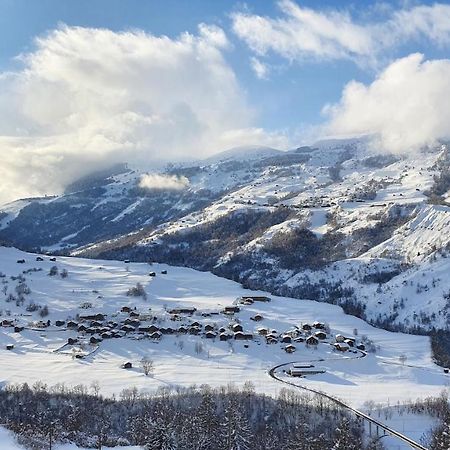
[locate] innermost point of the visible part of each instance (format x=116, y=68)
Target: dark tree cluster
x=197, y=418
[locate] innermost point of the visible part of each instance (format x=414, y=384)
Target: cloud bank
x=406, y=106
x=157, y=181
x=301, y=34
x=87, y=98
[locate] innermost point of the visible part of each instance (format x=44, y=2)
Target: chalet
x=155, y=335
x=7, y=323
x=134, y=314
x=92, y=330
x=209, y=327
x=262, y=331
x=127, y=328
x=289, y=348
x=95, y=339
x=182, y=329
x=320, y=335
x=133, y=322
x=39, y=258
x=306, y=327
x=82, y=327
x=168, y=330
x=361, y=347
x=183, y=311
x=341, y=346
x=299, y=339
x=148, y=328
x=270, y=339
x=257, y=318
x=60, y=323
x=18, y=329
x=222, y=330
x=286, y=339
x=72, y=341
x=53, y=259
x=9, y=346
x=127, y=365
x=125, y=309
x=340, y=338
x=96, y=323
x=350, y=342
x=72, y=324
x=119, y=334
x=312, y=340
x=240, y=336
x=194, y=330
x=210, y=335
x=196, y=324
x=163, y=272
x=256, y=298
x=225, y=336
x=152, y=274
x=99, y=317
x=231, y=309
x=20, y=261
x=236, y=327
x=246, y=301
x=107, y=335
x=318, y=325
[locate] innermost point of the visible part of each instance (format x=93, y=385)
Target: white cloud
x=86, y=98
x=261, y=70
x=163, y=182
x=406, y=106
x=304, y=33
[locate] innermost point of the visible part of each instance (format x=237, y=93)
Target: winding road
x=273, y=372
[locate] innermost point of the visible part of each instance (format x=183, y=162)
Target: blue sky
x=90, y=82
x=291, y=97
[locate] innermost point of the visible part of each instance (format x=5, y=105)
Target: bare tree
x=147, y=366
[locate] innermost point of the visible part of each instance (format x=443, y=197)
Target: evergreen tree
x=236, y=431
x=346, y=439
x=441, y=438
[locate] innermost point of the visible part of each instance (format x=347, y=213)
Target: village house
x=320, y=335
x=231, y=309
x=257, y=318
x=236, y=327
x=183, y=311
x=97, y=316
x=256, y=298
x=240, y=336
x=312, y=340
x=155, y=335
x=341, y=346
x=225, y=336
x=289, y=348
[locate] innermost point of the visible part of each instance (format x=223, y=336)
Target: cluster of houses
x=96, y=327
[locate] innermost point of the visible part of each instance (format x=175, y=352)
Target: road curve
x=387, y=429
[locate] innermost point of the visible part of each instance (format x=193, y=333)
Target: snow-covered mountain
x=334, y=222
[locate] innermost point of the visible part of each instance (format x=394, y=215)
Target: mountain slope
x=332, y=222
